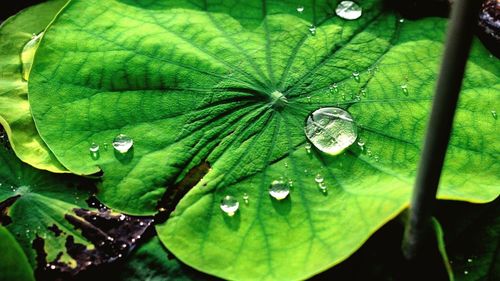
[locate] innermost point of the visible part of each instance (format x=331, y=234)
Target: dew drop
x=334, y=88
x=494, y=114
x=322, y=186
x=355, y=75
x=319, y=178
x=52, y=267
x=300, y=9
x=469, y=260
x=94, y=148
x=279, y=190
x=290, y=182
x=312, y=30
x=466, y=272
x=308, y=146
x=331, y=130
x=361, y=144
x=229, y=205
x=404, y=88
x=401, y=20
x=245, y=198
x=348, y=10
x=28, y=53
x=122, y=143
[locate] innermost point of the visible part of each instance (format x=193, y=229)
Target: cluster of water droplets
x=347, y=10
x=121, y=143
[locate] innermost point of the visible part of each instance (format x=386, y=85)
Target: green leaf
x=13, y=263
x=15, y=114
x=194, y=84
x=35, y=201
x=47, y=214
x=441, y=245
x=152, y=262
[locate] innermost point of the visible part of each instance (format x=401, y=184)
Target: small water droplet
x=300, y=9
x=319, y=178
x=494, y=114
x=122, y=217
x=122, y=143
x=286, y=165
x=279, y=190
x=309, y=99
x=28, y=53
x=401, y=20
x=361, y=144
x=404, y=88
x=312, y=30
x=363, y=92
x=334, y=88
x=52, y=267
x=290, y=182
x=469, y=260
x=466, y=272
x=376, y=158
x=245, y=198
x=355, y=75
x=229, y=205
x=308, y=146
x=348, y=10
x=331, y=130
x=322, y=186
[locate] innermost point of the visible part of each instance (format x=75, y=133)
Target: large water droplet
x=348, y=10
x=229, y=205
x=331, y=130
x=279, y=190
x=122, y=143
x=300, y=9
x=28, y=53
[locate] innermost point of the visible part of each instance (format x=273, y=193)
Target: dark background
x=11, y=7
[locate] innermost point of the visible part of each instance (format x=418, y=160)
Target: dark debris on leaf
x=113, y=235
x=489, y=26
x=175, y=193
x=4, y=207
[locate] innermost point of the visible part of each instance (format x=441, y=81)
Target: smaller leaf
x=13, y=263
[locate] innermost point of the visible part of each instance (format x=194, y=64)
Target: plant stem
x=458, y=42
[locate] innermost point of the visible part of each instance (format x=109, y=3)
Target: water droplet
x=279, y=190
x=300, y=9
x=348, y=10
x=319, y=178
x=334, y=88
x=494, y=114
x=290, y=182
x=122, y=217
x=466, y=272
x=404, y=88
x=376, y=158
x=308, y=146
x=245, y=198
x=312, y=30
x=52, y=267
x=286, y=165
x=355, y=75
x=469, y=260
x=309, y=99
x=361, y=144
x=94, y=148
x=323, y=187
x=28, y=53
x=229, y=205
x=331, y=130
x=401, y=20
x=122, y=143
x=363, y=92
